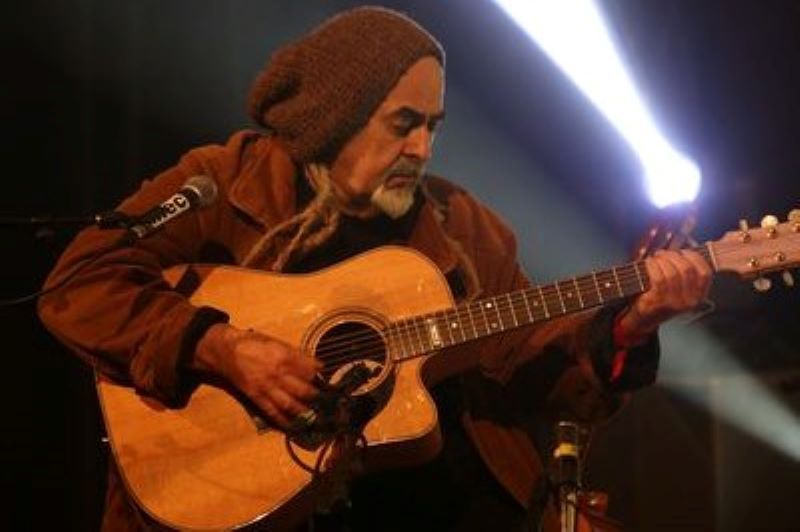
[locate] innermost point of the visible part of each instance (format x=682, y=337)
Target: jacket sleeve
x=569, y=361
x=563, y=365
x=117, y=312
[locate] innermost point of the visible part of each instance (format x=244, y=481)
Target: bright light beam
x=573, y=34
x=737, y=396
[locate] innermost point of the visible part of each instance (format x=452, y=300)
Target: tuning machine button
x=762, y=284
x=744, y=235
x=794, y=217
x=769, y=220
x=788, y=280
x=770, y=223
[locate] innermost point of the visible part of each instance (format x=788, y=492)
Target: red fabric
x=622, y=342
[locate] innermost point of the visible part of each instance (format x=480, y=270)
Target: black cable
x=120, y=243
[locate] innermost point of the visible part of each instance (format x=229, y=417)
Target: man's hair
x=316, y=93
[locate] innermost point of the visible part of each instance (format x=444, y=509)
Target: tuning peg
x=762, y=284
x=788, y=280
x=769, y=221
x=794, y=217
x=744, y=236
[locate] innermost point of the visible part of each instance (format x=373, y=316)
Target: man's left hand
x=679, y=281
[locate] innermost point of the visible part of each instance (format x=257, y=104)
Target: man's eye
x=402, y=128
x=434, y=125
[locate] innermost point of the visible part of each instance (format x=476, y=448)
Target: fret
x=578, y=291
x=500, y=318
x=560, y=299
x=434, y=335
x=485, y=319
x=544, y=302
x=454, y=325
x=708, y=253
x=500, y=324
x=633, y=282
x=447, y=327
x=419, y=329
x=511, y=309
x=597, y=287
x=411, y=337
x=401, y=329
x=472, y=320
x=616, y=279
x=608, y=285
x=527, y=306
x=459, y=325
x=639, y=275
x=570, y=298
x=390, y=343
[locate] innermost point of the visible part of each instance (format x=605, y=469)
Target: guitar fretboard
x=419, y=335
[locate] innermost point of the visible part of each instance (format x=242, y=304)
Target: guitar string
x=629, y=272
x=405, y=335
x=415, y=326
x=549, y=292
x=370, y=339
x=347, y=343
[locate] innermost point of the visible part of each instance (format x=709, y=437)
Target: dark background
x=98, y=95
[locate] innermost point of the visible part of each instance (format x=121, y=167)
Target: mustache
x=406, y=167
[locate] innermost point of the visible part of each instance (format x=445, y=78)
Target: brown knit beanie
x=317, y=92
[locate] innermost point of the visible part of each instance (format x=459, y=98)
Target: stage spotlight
x=573, y=34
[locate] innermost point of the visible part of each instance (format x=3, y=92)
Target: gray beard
x=394, y=202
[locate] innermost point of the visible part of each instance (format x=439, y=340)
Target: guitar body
x=209, y=465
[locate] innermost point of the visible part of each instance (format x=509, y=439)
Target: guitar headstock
x=753, y=252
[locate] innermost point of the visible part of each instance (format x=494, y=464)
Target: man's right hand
x=273, y=375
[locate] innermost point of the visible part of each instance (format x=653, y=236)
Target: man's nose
x=419, y=143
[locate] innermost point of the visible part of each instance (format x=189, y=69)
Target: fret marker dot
x=607, y=285
x=488, y=305
x=454, y=325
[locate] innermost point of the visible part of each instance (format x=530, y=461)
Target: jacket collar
x=264, y=188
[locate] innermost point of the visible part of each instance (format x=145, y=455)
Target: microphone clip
x=336, y=409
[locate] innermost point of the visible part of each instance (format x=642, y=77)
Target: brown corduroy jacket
x=121, y=317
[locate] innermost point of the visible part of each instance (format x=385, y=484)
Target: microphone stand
x=567, y=453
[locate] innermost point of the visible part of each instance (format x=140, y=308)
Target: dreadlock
x=305, y=231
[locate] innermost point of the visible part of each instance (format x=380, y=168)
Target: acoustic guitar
x=376, y=321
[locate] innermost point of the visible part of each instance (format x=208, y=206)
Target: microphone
x=198, y=192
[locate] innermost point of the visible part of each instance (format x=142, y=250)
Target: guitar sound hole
x=347, y=343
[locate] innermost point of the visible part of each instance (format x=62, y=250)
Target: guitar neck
x=423, y=334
